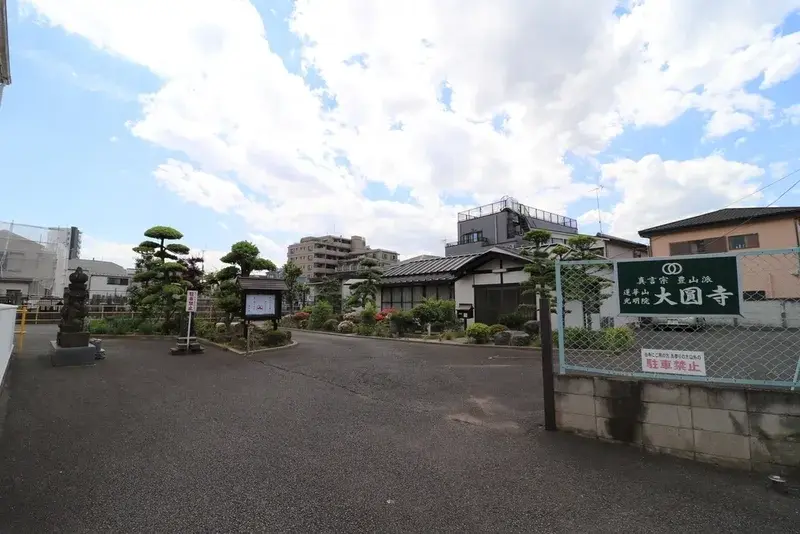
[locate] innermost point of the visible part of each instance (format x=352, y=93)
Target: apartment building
x=319, y=256
x=383, y=257
x=504, y=223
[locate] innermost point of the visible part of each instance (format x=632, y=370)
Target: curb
x=204, y=340
x=131, y=336
x=426, y=341
x=226, y=348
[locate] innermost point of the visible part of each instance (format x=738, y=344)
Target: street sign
x=674, y=362
x=684, y=287
x=191, y=301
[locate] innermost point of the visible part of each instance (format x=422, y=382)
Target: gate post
x=548, y=385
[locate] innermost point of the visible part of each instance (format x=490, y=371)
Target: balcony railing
x=483, y=241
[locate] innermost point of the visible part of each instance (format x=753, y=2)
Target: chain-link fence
x=728, y=318
x=33, y=261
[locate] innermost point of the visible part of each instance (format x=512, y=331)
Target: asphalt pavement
x=334, y=435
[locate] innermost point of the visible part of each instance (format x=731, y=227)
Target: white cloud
x=259, y=143
x=792, y=114
x=654, y=191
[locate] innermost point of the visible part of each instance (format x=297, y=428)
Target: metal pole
x=548, y=385
x=188, y=331
x=560, y=317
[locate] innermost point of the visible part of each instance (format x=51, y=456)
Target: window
x=116, y=281
x=750, y=296
x=471, y=237
x=700, y=246
x=637, y=253
x=737, y=242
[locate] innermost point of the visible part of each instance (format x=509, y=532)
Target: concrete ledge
x=412, y=340
x=226, y=348
x=726, y=426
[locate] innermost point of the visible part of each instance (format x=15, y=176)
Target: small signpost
x=190, y=344
x=191, y=307
x=681, y=286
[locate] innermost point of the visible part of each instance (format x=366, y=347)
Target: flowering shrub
x=346, y=327
x=353, y=317
x=301, y=316
x=384, y=314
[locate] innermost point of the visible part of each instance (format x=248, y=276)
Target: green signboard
x=679, y=286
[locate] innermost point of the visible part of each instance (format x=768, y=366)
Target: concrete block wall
x=747, y=429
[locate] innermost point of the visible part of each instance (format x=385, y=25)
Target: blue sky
x=70, y=158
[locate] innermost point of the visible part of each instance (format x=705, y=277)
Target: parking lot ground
x=334, y=435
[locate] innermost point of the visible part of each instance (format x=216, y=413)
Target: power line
x=726, y=234
x=782, y=178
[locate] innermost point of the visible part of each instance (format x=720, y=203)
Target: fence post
x=560, y=317
x=548, y=386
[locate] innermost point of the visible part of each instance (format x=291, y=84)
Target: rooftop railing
x=522, y=209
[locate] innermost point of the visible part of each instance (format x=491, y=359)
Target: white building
x=107, y=281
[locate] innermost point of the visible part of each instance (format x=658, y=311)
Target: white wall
x=8, y=317
x=765, y=313
x=21, y=286
x=346, y=291
x=465, y=286
x=98, y=285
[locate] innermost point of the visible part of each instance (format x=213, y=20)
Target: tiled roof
x=438, y=269
x=99, y=268
x=430, y=266
x=620, y=240
x=262, y=283
x=727, y=215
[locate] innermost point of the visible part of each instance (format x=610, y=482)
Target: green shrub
x=531, y=328
x=613, y=339
x=368, y=314
x=274, y=338
x=98, y=326
x=365, y=330
x=303, y=324
x=513, y=321
x=121, y=326
x=618, y=339
x=479, y=333
x=321, y=312
x=438, y=313
x=402, y=321
x=346, y=327
x=330, y=325
x=382, y=329
x=149, y=328
x=202, y=328
x=576, y=337
x=497, y=328
x=288, y=334
x=520, y=341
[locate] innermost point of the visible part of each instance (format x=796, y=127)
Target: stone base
x=72, y=339
x=180, y=348
x=64, y=356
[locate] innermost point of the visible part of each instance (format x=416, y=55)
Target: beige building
x=764, y=276
x=319, y=256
